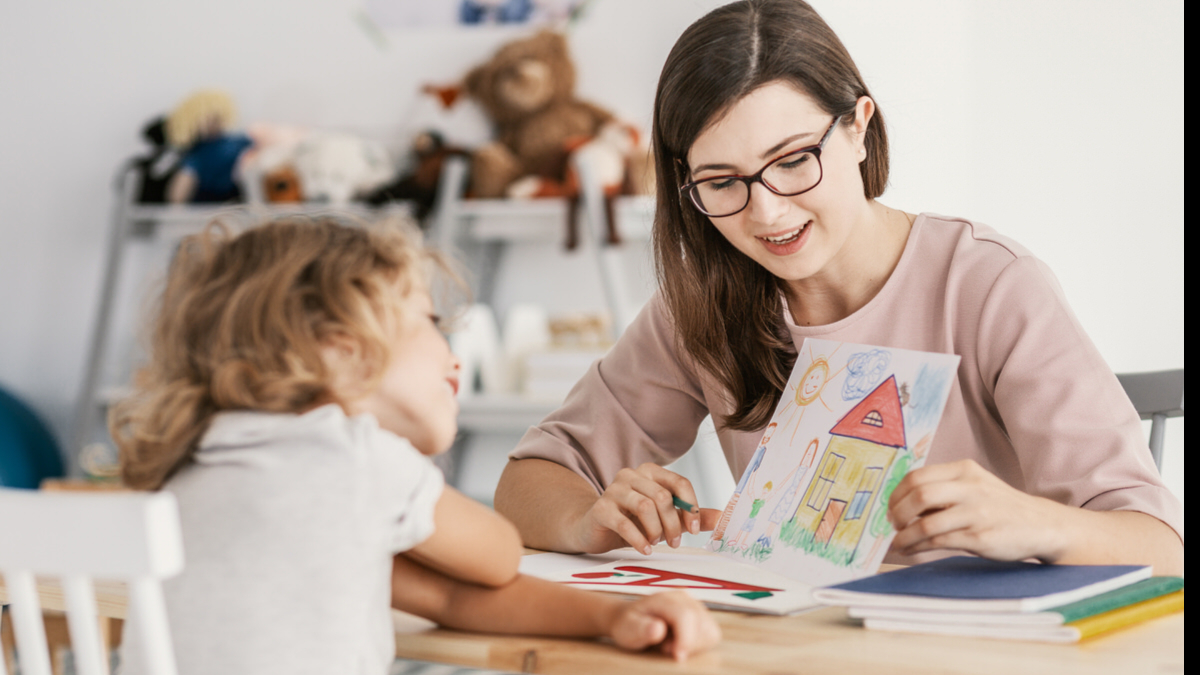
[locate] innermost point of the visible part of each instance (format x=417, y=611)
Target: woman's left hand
x=962, y=506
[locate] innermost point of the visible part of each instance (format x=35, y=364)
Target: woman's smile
x=786, y=242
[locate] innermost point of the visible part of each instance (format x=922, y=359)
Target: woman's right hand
x=638, y=510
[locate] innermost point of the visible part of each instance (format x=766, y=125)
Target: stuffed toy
x=617, y=161
x=337, y=167
x=267, y=168
x=443, y=123
x=420, y=184
x=543, y=132
x=201, y=128
x=527, y=89
x=155, y=169
x=281, y=185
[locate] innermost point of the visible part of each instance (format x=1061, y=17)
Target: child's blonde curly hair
x=242, y=320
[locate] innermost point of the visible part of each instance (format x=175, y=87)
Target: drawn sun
x=808, y=390
x=813, y=382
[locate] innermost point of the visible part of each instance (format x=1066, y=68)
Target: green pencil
x=680, y=504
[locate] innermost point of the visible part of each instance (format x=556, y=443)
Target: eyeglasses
x=788, y=175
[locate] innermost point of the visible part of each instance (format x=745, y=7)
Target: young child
x=297, y=384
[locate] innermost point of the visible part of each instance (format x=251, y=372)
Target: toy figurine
x=155, y=169
x=420, y=184
x=200, y=127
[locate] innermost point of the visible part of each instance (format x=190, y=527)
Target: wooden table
x=821, y=641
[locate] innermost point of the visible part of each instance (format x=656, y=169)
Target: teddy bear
x=527, y=89
x=543, y=132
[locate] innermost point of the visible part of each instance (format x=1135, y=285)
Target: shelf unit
x=482, y=234
x=477, y=230
x=480, y=230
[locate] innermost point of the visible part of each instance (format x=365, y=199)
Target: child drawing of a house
x=861, y=448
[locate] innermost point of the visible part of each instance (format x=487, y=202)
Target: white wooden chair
x=75, y=536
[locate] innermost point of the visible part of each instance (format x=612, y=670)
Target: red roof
x=885, y=426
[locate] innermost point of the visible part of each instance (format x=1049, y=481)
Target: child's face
x=416, y=397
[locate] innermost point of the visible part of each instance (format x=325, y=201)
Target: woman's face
x=796, y=237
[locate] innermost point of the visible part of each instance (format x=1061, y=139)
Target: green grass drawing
x=803, y=538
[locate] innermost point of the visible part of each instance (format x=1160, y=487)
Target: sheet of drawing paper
x=854, y=419
x=547, y=565
x=713, y=580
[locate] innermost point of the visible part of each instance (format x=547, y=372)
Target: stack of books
x=1009, y=600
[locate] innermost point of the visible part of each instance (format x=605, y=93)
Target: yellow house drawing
x=861, y=448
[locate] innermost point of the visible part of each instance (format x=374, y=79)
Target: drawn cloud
x=864, y=371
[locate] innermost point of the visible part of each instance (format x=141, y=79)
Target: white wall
x=1059, y=123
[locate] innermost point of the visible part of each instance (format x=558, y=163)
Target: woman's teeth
x=786, y=237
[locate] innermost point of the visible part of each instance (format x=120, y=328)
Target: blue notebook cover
x=975, y=584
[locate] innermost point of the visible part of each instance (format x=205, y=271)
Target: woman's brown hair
x=241, y=322
x=726, y=308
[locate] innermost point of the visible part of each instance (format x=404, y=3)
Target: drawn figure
x=807, y=391
x=864, y=371
x=787, y=497
x=665, y=579
x=747, y=477
x=742, y=537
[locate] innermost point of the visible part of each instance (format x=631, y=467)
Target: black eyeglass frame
x=687, y=188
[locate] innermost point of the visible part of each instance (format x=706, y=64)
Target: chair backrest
x=78, y=536
x=1156, y=395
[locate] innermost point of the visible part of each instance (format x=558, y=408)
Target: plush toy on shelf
x=201, y=127
x=420, y=184
x=337, y=167
x=528, y=91
x=267, y=169
x=527, y=88
x=281, y=185
x=155, y=169
x=441, y=124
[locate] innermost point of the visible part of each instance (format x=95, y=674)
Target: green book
x=1106, y=602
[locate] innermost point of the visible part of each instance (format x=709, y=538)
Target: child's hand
x=674, y=620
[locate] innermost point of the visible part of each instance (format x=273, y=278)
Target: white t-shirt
x=290, y=523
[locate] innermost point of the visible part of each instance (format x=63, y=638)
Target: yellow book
x=1127, y=616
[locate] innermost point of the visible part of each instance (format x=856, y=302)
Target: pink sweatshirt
x=1034, y=401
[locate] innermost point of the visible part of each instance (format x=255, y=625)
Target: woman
x=771, y=154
